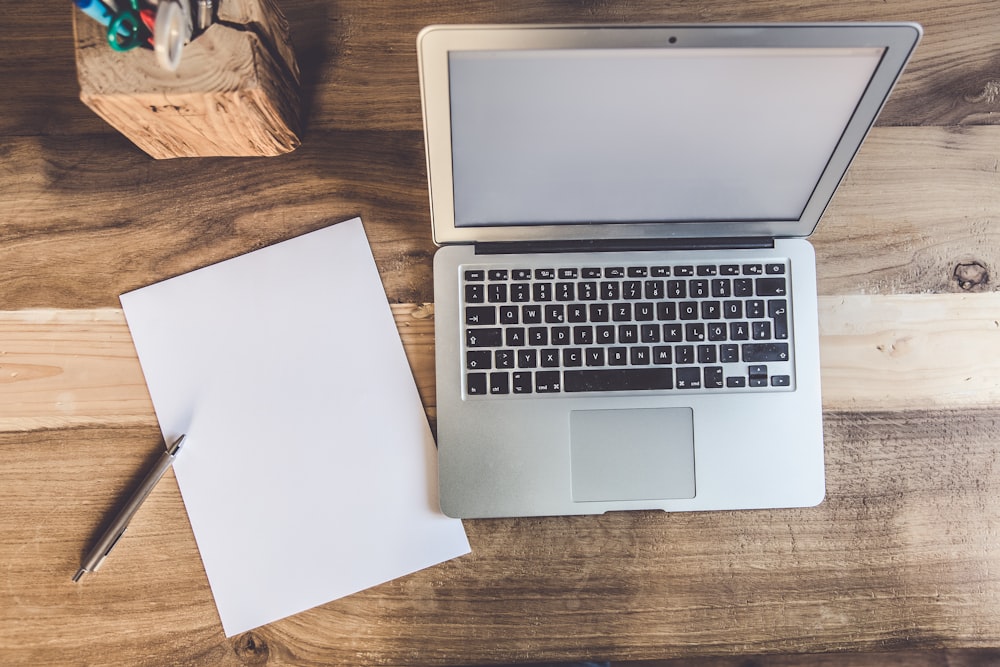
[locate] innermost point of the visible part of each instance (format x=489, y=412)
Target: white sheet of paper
x=308, y=471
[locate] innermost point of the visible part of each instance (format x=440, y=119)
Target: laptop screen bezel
x=897, y=40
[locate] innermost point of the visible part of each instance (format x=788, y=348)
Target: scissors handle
x=123, y=31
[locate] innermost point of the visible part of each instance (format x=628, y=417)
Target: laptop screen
x=569, y=136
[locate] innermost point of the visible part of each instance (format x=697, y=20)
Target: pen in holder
x=207, y=77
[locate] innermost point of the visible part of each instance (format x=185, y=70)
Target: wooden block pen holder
x=235, y=92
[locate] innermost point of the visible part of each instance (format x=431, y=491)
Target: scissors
x=123, y=31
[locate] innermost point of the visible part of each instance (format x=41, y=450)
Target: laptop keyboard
x=665, y=327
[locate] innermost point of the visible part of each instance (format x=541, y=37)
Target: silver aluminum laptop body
x=656, y=149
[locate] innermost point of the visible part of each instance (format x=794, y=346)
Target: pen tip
x=79, y=574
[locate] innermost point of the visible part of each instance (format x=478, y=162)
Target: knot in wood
x=251, y=649
x=971, y=275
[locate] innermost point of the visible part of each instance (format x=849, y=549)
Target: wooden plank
x=72, y=368
x=75, y=237
x=360, y=71
x=900, y=556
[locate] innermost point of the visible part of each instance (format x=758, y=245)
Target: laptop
x=625, y=298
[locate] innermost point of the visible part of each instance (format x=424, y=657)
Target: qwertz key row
x=669, y=327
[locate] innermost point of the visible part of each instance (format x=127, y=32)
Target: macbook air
x=625, y=296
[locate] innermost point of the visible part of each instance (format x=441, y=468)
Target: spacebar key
x=618, y=379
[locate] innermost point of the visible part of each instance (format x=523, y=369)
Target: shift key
x=760, y=352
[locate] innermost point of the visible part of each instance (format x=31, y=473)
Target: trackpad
x=632, y=454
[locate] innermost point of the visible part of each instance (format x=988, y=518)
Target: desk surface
x=903, y=554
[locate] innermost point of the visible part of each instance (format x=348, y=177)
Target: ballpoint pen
x=117, y=528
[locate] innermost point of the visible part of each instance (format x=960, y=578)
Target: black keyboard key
x=780, y=380
x=576, y=313
x=477, y=316
x=476, y=384
x=736, y=381
x=591, y=272
x=653, y=289
x=568, y=274
x=649, y=333
x=683, y=270
x=637, y=272
x=771, y=287
x=550, y=358
x=742, y=287
x=774, y=269
x=599, y=312
x=684, y=354
x=478, y=359
x=594, y=356
x=475, y=275
x=541, y=292
x=777, y=309
x=761, y=330
x=713, y=377
x=521, y=382
x=621, y=312
x=739, y=331
x=547, y=382
x=632, y=289
x=707, y=270
x=729, y=270
x=474, y=293
x=694, y=332
x=498, y=274
x=527, y=358
x=722, y=288
x=545, y=274
x=689, y=378
x=586, y=291
x=572, y=356
x=618, y=379
x=492, y=337
x=660, y=271
x=508, y=315
x=662, y=354
x=496, y=292
x=565, y=291
x=707, y=354
x=617, y=356
x=729, y=353
x=763, y=352
x=753, y=269
x=521, y=274
x=673, y=333
x=555, y=314
x=515, y=337
x=504, y=359
x=614, y=272
x=639, y=356
x=698, y=289
x=531, y=314
x=520, y=292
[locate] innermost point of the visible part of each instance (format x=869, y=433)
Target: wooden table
x=904, y=554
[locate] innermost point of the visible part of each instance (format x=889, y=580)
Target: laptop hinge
x=622, y=245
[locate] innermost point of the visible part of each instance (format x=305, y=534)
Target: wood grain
x=902, y=559
x=61, y=369
x=884, y=563
x=235, y=91
x=358, y=59
x=917, y=203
